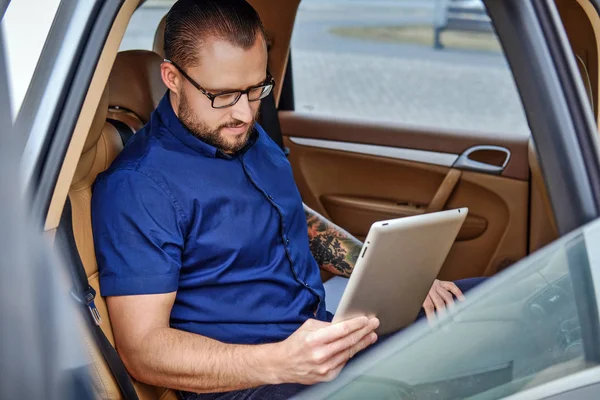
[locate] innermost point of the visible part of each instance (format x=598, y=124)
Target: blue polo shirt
x=228, y=233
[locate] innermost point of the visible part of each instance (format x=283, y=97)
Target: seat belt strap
x=84, y=294
x=125, y=131
x=269, y=120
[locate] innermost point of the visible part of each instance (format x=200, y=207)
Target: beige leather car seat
x=159, y=38
x=135, y=87
x=102, y=145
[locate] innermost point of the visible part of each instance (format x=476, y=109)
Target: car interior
x=353, y=172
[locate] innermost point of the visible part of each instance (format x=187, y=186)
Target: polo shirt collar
x=173, y=124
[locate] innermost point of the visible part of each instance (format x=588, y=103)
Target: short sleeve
x=138, y=235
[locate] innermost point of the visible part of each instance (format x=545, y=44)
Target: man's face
x=222, y=67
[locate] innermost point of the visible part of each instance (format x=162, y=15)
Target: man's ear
x=170, y=76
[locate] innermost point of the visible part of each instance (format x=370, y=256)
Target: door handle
x=495, y=158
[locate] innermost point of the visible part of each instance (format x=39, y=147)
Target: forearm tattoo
x=334, y=249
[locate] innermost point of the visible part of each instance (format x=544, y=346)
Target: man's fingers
x=445, y=295
x=333, y=374
x=438, y=302
x=343, y=356
x=331, y=367
x=337, y=361
x=361, y=345
x=364, y=343
x=429, y=308
x=451, y=287
x=340, y=330
x=348, y=342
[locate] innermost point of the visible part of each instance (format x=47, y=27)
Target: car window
x=517, y=331
x=42, y=356
x=378, y=61
x=25, y=33
x=142, y=26
x=40, y=82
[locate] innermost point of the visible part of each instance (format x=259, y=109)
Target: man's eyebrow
x=236, y=89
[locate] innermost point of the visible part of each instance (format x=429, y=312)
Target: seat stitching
x=94, y=359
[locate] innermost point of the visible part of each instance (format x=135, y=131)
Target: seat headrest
x=159, y=38
x=97, y=123
x=135, y=82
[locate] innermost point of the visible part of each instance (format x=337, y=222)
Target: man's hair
x=191, y=23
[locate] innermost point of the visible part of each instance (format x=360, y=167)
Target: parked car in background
x=459, y=15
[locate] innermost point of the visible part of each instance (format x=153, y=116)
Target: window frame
x=3, y=6
x=55, y=96
x=35, y=289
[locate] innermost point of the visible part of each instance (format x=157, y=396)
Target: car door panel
x=388, y=176
x=357, y=214
x=305, y=125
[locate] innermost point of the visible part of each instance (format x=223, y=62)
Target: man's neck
x=174, y=101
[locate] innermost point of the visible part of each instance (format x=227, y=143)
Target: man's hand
x=318, y=350
x=440, y=297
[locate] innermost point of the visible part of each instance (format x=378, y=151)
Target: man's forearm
x=181, y=360
x=334, y=249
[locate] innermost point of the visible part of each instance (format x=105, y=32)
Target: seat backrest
x=135, y=87
x=102, y=145
x=159, y=38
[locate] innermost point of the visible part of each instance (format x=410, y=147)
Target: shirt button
x=287, y=241
x=270, y=197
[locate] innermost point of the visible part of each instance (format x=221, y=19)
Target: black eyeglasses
x=229, y=98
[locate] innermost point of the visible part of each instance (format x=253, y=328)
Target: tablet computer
x=398, y=263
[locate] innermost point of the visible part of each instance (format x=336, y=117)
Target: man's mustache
x=236, y=124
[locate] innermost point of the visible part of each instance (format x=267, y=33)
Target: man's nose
x=242, y=110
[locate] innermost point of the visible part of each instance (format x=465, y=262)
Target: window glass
x=377, y=60
x=142, y=26
x=517, y=331
x=25, y=33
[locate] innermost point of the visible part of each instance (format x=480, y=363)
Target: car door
x=518, y=335
x=383, y=125
x=42, y=353
x=532, y=332
x=60, y=81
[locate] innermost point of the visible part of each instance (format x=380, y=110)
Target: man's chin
x=233, y=146
x=235, y=143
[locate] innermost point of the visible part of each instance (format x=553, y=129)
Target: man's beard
x=202, y=131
